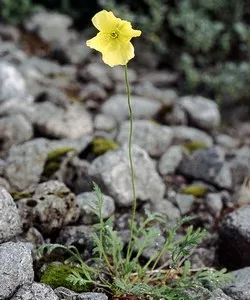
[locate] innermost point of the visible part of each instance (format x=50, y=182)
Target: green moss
x=20, y=195
x=59, y=152
x=195, y=190
x=56, y=276
x=54, y=159
x=194, y=145
x=102, y=145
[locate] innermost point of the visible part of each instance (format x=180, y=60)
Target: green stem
x=132, y=220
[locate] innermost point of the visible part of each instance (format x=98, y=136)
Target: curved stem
x=131, y=165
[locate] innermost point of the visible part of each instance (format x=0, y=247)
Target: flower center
x=114, y=35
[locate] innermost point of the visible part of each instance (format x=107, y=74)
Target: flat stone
x=234, y=232
x=170, y=160
x=12, y=83
x=10, y=222
x=202, y=112
x=183, y=134
x=35, y=291
x=16, y=267
x=117, y=106
x=112, y=172
x=208, y=165
x=153, y=138
x=67, y=294
x=166, y=208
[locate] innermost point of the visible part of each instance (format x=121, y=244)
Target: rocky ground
x=64, y=123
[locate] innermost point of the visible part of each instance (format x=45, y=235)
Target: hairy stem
x=132, y=220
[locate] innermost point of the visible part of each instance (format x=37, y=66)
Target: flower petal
x=118, y=54
x=105, y=21
x=100, y=42
x=125, y=29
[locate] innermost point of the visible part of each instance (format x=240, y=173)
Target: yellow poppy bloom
x=113, y=38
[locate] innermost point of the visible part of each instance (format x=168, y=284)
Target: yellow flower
x=113, y=39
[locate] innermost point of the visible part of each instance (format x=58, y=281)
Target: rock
x=184, y=134
x=77, y=52
x=88, y=200
x=10, y=222
x=67, y=294
x=118, y=75
x=184, y=202
x=153, y=138
x=12, y=83
x=239, y=288
x=25, y=163
x=14, y=130
x=160, y=78
x=226, y=141
x=170, y=160
x=239, y=164
x=56, y=122
x=97, y=72
x=111, y=171
x=53, y=95
x=35, y=291
x=51, y=206
x=117, y=106
x=166, y=208
x=4, y=183
x=234, y=232
x=94, y=92
x=9, y=33
x=214, y=204
x=104, y=123
x=202, y=112
x=208, y=165
x=16, y=267
x=175, y=116
x=218, y=294
x=79, y=236
x=54, y=30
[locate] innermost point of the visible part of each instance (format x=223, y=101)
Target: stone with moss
x=194, y=145
x=195, y=190
x=56, y=276
x=102, y=145
x=21, y=195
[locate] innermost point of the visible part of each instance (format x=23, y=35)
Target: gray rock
x=214, y=203
x=166, y=208
x=112, y=172
x=12, y=83
x=202, y=112
x=208, y=165
x=66, y=294
x=240, y=164
x=25, y=163
x=35, y=291
x=4, y=183
x=56, y=122
x=226, y=141
x=51, y=207
x=202, y=258
x=77, y=52
x=93, y=91
x=104, y=123
x=16, y=267
x=153, y=138
x=80, y=236
x=184, y=134
x=10, y=222
x=218, y=294
x=184, y=202
x=117, y=106
x=160, y=78
x=170, y=160
x=14, y=130
x=117, y=74
x=239, y=288
x=87, y=202
x=54, y=30
x=97, y=72
x=176, y=116
x=234, y=231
